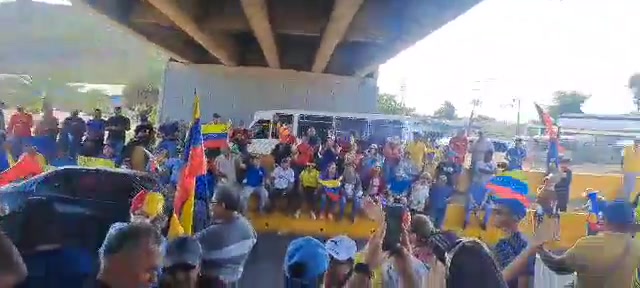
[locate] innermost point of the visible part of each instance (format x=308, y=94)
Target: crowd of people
x=322, y=178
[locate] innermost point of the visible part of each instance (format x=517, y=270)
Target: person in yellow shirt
x=630, y=168
x=417, y=150
x=308, y=187
x=608, y=259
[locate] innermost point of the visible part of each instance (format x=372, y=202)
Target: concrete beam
x=222, y=47
x=258, y=17
x=341, y=16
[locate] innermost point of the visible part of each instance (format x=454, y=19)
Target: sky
x=526, y=49
x=503, y=50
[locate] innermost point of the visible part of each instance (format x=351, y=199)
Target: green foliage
x=565, y=102
x=447, y=111
x=389, y=104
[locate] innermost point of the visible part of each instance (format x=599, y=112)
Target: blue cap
x=515, y=207
x=619, y=212
x=309, y=253
x=183, y=250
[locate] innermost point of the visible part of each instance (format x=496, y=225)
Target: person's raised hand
x=373, y=253
x=373, y=210
x=545, y=232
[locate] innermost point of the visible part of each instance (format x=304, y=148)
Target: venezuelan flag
x=184, y=202
x=215, y=135
x=506, y=187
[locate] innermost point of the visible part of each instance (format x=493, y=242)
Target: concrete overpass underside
x=340, y=37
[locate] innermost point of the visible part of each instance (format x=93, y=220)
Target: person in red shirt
x=460, y=145
x=240, y=136
x=20, y=123
x=304, y=153
x=19, y=129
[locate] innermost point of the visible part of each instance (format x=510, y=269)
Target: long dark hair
x=471, y=265
x=40, y=225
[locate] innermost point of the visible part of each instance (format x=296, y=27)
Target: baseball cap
x=183, y=250
x=341, y=248
x=515, y=207
x=618, y=212
x=308, y=253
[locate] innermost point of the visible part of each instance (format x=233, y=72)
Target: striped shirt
x=226, y=247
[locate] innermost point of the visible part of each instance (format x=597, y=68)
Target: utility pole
x=516, y=102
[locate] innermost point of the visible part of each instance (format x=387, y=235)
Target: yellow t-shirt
x=631, y=160
x=416, y=151
x=309, y=178
x=594, y=258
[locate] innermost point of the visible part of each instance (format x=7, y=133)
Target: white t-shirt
x=419, y=196
x=283, y=177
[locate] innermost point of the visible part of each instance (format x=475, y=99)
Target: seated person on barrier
x=330, y=192
x=351, y=185
x=376, y=187
x=308, y=188
x=478, y=193
x=283, y=179
x=254, y=183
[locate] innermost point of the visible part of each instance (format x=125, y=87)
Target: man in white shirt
x=283, y=178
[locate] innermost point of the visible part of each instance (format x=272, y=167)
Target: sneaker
x=296, y=215
x=330, y=216
x=313, y=215
x=322, y=216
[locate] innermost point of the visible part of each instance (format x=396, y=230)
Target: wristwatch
x=363, y=269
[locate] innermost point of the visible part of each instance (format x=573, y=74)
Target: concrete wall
x=237, y=92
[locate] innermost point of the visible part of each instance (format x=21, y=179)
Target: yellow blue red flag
x=184, y=202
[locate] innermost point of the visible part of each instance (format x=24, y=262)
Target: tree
x=567, y=102
x=634, y=85
x=446, y=111
x=388, y=104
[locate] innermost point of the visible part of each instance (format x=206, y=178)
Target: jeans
x=118, y=146
x=477, y=193
x=326, y=204
x=246, y=195
x=629, y=185
x=437, y=215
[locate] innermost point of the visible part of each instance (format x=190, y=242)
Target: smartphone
x=394, y=216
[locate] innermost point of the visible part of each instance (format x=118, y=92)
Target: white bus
x=364, y=125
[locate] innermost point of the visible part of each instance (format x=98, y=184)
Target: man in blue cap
x=305, y=263
x=608, y=259
x=507, y=215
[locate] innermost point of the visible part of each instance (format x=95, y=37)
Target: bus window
x=346, y=125
x=322, y=124
x=387, y=128
x=260, y=129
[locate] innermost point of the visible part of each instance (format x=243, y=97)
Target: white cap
x=341, y=248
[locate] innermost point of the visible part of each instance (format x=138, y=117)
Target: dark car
x=88, y=200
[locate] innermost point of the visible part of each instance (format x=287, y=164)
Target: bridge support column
x=237, y=92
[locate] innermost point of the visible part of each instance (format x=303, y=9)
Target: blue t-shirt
x=96, y=128
x=516, y=155
x=255, y=176
x=507, y=249
x=63, y=268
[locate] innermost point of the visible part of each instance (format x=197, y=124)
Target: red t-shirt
x=460, y=146
x=305, y=154
x=20, y=124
